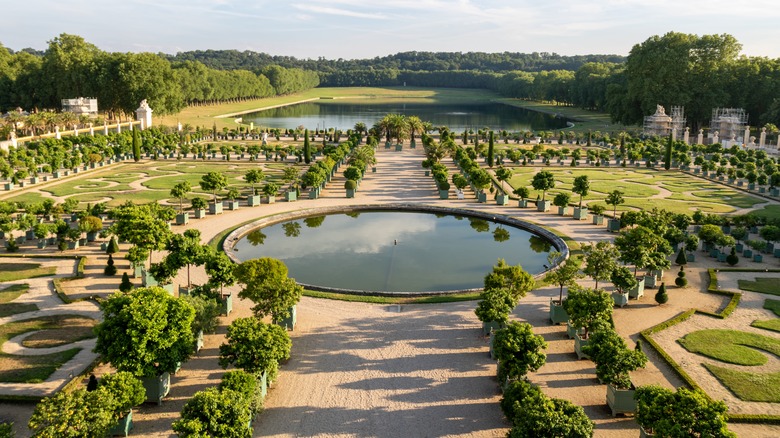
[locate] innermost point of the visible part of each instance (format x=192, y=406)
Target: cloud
x=338, y=11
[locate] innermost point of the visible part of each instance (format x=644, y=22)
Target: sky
x=351, y=29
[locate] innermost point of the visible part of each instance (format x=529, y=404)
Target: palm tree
x=413, y=125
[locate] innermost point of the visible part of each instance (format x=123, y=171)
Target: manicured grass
x=642, y=189
x=771, y=211
x=584, y=120
x=769, y=324
x=731, y=346
x=762, y=285
x=19, y=271
x=68, y=331
x=755, y=387
x=773, y=305
x=33, y=369
x=7, y=308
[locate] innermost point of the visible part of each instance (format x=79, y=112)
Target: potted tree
x=518, y=351
x=350, y=186
x=597, y=211
x=126, y=391
x=215, y=412
x=255, y=347
x=586, y=308
x=543, y=181
x=481, y=180
x=565, y=275
x=179, y=191
x=493, y=308
x=214, y=182
x=147, y=333
x=662, y=412
x=561, y=201
x=270, y=190
x=614, y=198
x=581, y=187
x=522, y=193
x=614, y=361
x=532, y=414
x=502, y=174
x=207, y=309
x=199, y=205
x=253, y=176
x=267, y=285
x=624, y=282
x=232, y=194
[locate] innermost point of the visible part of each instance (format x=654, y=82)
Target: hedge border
x=57, y=282
x=730, y=307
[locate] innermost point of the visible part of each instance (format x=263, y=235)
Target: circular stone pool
x=393, y=251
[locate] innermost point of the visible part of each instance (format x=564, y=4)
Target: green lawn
x=642, y=189
x=762, y=285
x=11, y=293
x=35, y=369
x=773, y=305
x=19, y=271
x=768, y=324
x=731, y=346
x=756, y=387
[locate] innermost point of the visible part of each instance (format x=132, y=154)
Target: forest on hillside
x=700, y=73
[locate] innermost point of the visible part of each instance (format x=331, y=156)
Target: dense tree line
x=413, y=61
x=71, y=67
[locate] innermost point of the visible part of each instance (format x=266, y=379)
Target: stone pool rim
x=233, y=237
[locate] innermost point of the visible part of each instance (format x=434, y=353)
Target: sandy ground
x=416, y=370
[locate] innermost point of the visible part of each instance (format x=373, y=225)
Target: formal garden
x=147, y=216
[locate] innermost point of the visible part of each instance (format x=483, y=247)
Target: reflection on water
x=394, y=251
x=344, y=114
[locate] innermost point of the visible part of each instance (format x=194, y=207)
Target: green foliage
x=518, y=351
x=213, y=182
x=564, y=275
x=513, y=278
x=254, y=346
x=125, y=390
x=543, y=181
x=661, y=297
x=581, y=187
x=747, y=386
x=764, y=285
x=146, y=333
x=113, y=246
x=522, y=192
x=623, y=279
x=532, y=414
x=110, y=269
x=614, y=361
x=588, y=308
x=615, y=198
x=561, y=200
x=266, y=284
x=215, y=412
x=247, y=385
x=136, y=145
x=681, y=281
x=495, y=305
x=600, y=260
x=77, y=414
x=681, y=259
x=681, y=413
x=350, y=184
x=207, y=312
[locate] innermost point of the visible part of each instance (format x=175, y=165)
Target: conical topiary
x=732, y=259
x=110, y=269
x=638, y=345
x=125, y=285
x=661, y=297
x=681, y=259
x=113, y=246
x=681, y=281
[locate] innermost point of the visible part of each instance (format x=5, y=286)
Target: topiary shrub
x=681, y=281
x=110, y=269
x=125, y=285
x=732, y=259
x=247, y=385
x=444, y=185
x=661, y=297
x=350, y=184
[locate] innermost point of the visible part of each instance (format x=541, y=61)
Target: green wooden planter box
x=571, y=331
x=502, y=199
x=563, y=211
x=579, y=342
x=638, y=290
x=233, y=205
x=399, y=148
x=481, y=197
x=621, y=401
x=291, y=196
x=216, y=208
x=620, y=299
x=289, y=322
x=492, y=341
x=200, y=214
x=271, y=199
x=350, y=193
x=558, y=314
x=227, y=304
x=523, y=203
x=444, y=194
x=157, y=387
x=598, y=220
x=543, y=205
x=613, y=225
x=758, y=258
x=580, y=213
x=650, y=281
x=748, y=253
x=123, y=426
x=253, y=201
x=487, y=327
x=182, y=219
